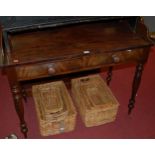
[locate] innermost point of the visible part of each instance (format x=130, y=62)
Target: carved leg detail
x=17, y=95
x=109, y=75
x=24, y=94
x=135, y=86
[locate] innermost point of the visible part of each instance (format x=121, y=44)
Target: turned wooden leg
x=135, y=86
x=109, y=75
x=24, y=95
x=17, y=95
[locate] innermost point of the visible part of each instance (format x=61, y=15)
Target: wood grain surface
x=72, y=41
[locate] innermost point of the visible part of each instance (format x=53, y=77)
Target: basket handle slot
x=85, y=80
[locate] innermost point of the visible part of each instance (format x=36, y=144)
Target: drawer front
x=88, y=61
x=120, y=57
x=39, y=70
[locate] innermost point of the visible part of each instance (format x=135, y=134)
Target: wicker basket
x=95, y=101
x=54, y=107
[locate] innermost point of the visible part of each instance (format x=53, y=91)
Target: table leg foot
x=24, y=129
x=130, y=106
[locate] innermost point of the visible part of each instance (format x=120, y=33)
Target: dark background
x=9, y=21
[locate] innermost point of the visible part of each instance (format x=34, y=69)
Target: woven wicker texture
x=95, y=101
x=55, y=110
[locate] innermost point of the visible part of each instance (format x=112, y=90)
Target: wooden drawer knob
x=116, y=59
x=51, y=70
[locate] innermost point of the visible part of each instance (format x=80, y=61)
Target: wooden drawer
x=38, y=70
x=113, y=58
x=84, y=62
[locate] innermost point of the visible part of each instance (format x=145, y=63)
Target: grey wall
x=150, y=22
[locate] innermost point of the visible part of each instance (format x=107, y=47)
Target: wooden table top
x=65, y=42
